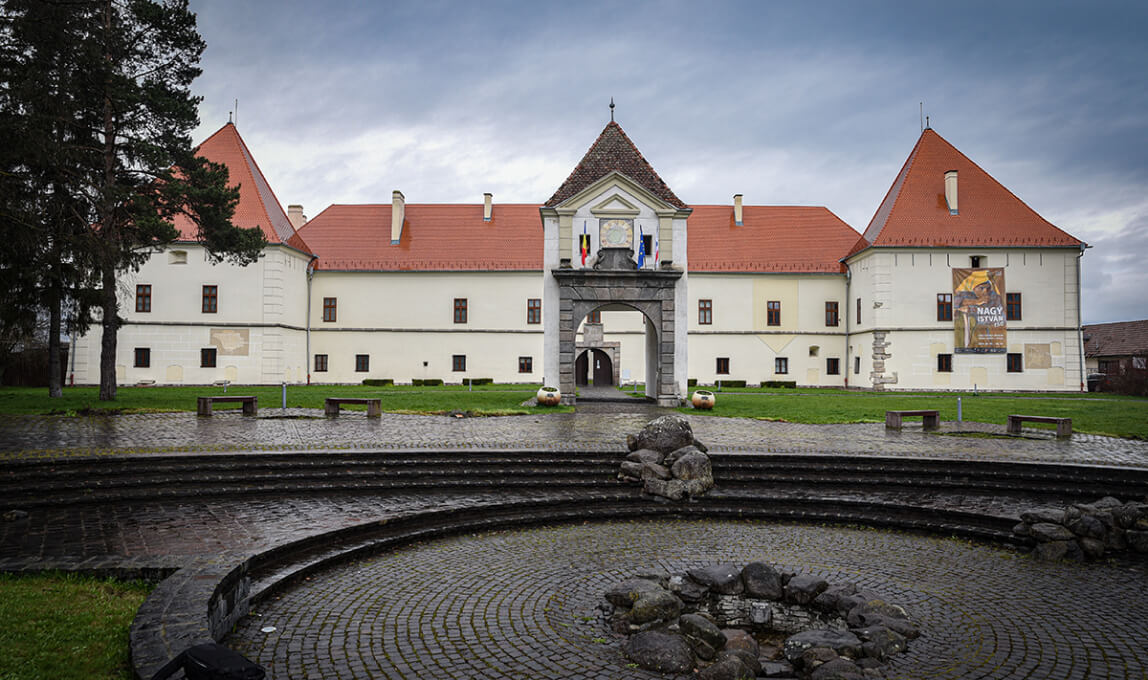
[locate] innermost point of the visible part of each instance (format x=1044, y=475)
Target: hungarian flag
x=641, y=248
x=585, y=242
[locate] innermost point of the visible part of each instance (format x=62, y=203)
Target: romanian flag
x=641, y=249
x=585, y=242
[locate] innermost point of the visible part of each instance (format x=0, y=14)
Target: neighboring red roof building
x=258, y=206
x=1120, y=339
x=434, y=238
x=770, y=239
x=614, y=152
x=916, y=211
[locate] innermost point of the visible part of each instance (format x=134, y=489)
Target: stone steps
x=199, y=476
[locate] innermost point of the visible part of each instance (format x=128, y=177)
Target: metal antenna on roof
x=611, y=109
x=927, y=123
x=922, y=116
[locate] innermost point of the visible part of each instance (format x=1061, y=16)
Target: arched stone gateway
x=615, y=239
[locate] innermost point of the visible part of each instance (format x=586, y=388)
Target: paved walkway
x=593, y=427
x=508, y=602
x=523, y=604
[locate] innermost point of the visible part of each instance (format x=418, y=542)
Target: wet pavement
x=600, y=426
x=510, y=605
x=524, y=604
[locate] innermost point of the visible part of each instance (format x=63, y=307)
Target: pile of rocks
x=1086, y=531
x=667, y=461
x=704, y=621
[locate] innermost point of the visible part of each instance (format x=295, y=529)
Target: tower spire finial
x=611, y=109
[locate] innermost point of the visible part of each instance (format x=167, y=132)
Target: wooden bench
x=374, y=406
x=1063, y=425
x=250, y=404
x=930, y=420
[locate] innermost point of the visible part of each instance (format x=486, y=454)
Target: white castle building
x=955, y=284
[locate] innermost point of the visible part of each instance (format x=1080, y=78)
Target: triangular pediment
x=615, y=206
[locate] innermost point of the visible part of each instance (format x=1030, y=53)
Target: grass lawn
x=1095, y=413
x=62, y=626
x=482, y=400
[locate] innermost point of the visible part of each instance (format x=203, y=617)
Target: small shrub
x=692, y=382
x=429, y=382
x=787, y=384
x=378, y=382
x=479, y=381
x=731, y=383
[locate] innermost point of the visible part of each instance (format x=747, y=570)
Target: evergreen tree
x=118, y=160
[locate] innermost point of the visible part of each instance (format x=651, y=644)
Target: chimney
x=398, y=215
x=737, y=210
x=487, y=207
x=951, y=191
x=295, y=214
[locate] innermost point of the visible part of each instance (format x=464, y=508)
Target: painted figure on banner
x=978, y=311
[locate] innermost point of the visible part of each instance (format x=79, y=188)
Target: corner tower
x=615, y=240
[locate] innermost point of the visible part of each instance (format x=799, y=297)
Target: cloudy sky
x=789, y=103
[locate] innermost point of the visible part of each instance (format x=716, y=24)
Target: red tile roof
x=613, y=151
x=258, y=206
x=434, y=238
x=914, y=212
x=1120, y=339
x=771, y=239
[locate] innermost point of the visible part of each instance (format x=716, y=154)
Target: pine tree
x=118, y=149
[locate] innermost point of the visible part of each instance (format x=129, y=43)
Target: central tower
x=615, y=240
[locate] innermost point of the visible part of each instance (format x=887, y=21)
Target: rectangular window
x=944, y=363
x=781, y=365
x=723, y=365
x=975, y=261
x=320, y=363
x=210, y=299
x=594, y=317
x=773, y=313
x=944, y=306
x=207, y=357
x=534, y=310
x=831, y=317
x=648, y=243
x=458, y=362
x=143, y=357
x=330, y=308
x=143, y=297
x=833, y=366
x=525, y=364
x=362, y=363
x=1012, y=306
x=705, y=312
x=460, y=310
x=858, y=310
x=856, y=365
x=1015, y=363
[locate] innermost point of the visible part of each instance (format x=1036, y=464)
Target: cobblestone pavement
x=523, y=604
x=600, y=427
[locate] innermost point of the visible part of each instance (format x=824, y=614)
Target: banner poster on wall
x=978, y=311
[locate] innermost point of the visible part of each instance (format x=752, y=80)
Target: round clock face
x=617, y=233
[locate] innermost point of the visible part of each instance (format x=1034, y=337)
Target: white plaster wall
x=266, y=299
x=902, y=286
x=550, y=294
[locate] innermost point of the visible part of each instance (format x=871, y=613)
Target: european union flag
x=641, y=249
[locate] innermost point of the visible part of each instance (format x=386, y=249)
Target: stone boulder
x=664, y=434
x=762, y=581
x=720, y=578
x=729, y=668
x=879, y=642
x=705, y=638
x=838, y=669
x=661, y=652
x=738, y=640
x=804, y=589
x=842, y=643
x=655, y=605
